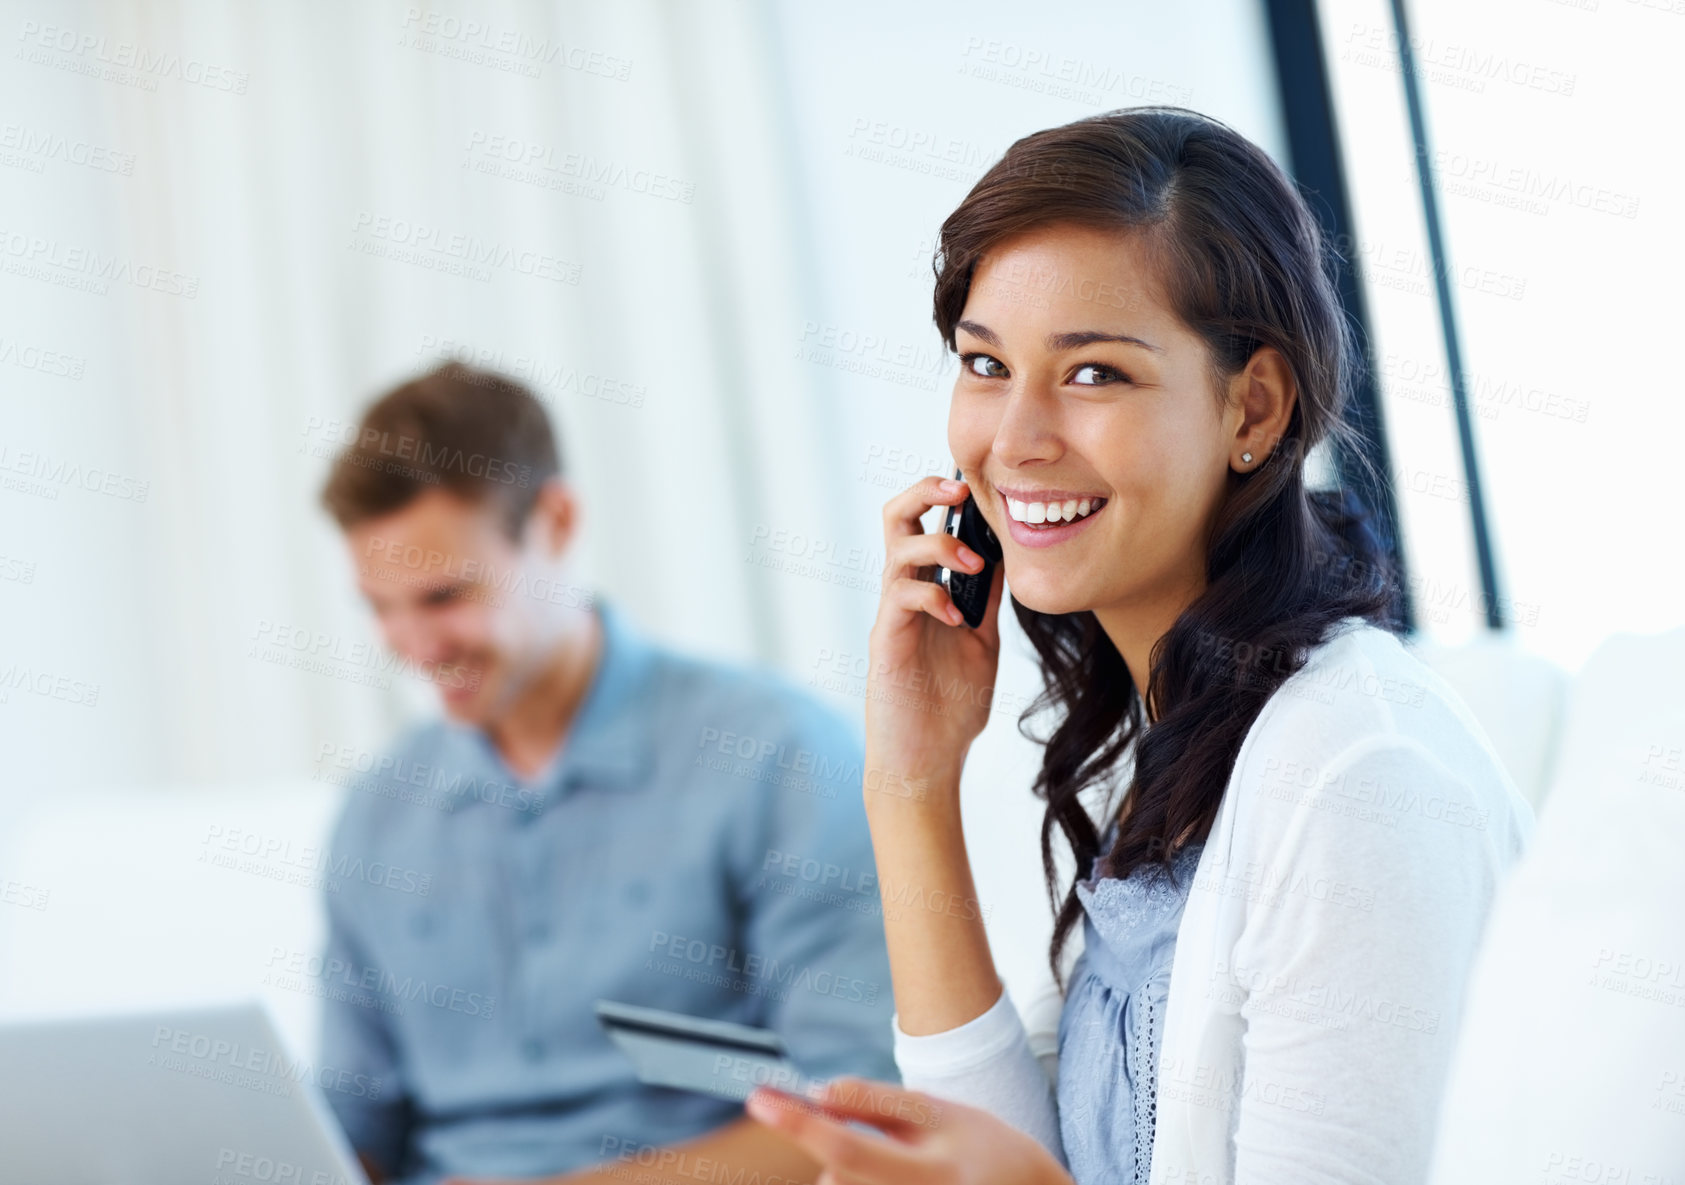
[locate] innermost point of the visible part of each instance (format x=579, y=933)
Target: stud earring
x=1246, y=458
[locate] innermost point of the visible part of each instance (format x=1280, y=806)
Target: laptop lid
x=204, y=1096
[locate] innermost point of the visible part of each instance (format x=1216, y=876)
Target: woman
x=1279, y=913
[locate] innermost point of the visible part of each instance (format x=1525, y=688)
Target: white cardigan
x=1321, y=958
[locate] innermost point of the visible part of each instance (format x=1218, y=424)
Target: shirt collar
x=607, y=743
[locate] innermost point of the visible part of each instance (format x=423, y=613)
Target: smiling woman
x=1150, y=348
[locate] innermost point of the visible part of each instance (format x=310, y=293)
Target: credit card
x=714, y=1057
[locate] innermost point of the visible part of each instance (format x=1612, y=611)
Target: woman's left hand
x=930, y=1141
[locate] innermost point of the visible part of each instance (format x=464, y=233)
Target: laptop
x=203, y=1096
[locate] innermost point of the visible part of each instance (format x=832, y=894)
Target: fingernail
x=954, y=614
x=970, y=558
x=950, y=486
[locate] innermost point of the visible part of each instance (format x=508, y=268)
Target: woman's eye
x=1094, y=375
x=985, y=366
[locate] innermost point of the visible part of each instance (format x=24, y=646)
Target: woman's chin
x=1046, y=597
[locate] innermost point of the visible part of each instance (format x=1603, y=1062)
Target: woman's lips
x=1049, y=536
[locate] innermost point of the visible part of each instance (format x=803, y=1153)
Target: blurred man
x=594, y=818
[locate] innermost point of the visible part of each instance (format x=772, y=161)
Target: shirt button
x=532, y=1049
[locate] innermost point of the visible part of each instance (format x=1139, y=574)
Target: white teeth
x=1068, y=511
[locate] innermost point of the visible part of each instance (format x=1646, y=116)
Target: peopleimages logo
x=252, y=1166
x=453, y=252
x=256, y=1063
x=354, y=660
x=71, y=265
x=34, y=147
x=335, y=974
x=437, y=786
x=752, y=974
x=34, y=358
x=48, y=684
x=279, y=858
x=506, y=49
x=401, y=446
x=58, y=472
x=123, y=61
x=582, y=173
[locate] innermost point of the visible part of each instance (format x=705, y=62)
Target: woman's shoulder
x=1363, y=678
x=1360, y=665
x=1362, y=692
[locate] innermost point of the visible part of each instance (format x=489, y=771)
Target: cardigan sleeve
x=987, y=1063
x=1364, y=903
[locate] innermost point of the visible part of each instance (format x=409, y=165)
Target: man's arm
x=357, y=1037
x=811, y=905
x=742, y=1149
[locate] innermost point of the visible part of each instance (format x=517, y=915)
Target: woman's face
x=1079, y=390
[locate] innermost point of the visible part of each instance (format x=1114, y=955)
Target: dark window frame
x=1313, y=142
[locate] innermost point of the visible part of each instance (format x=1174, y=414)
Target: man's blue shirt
x=698, y=844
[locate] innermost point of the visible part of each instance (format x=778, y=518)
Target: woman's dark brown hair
x=1242, y=262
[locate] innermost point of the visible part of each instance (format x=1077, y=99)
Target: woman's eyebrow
x=1061, y=341
x=1072, y=341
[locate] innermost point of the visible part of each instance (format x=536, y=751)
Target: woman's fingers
x=905, y=555
x=848, y=1155
x=924, y=596
x=881, y=1105
x=901, y=513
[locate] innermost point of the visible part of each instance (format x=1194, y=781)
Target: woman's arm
x=939, y=958
x=986, y=1063
x=923, y=710
x=927, y=699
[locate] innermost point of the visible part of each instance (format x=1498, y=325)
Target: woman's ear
x=1261, y=399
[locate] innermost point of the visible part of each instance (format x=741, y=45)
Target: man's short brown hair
x=473, y=432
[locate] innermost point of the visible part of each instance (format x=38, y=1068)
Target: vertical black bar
x=1448, y=320
x=1313, y=142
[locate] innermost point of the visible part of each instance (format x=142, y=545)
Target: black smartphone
x=970, y=590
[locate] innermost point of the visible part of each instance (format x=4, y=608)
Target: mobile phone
x=714, y=1057
x=970, y=590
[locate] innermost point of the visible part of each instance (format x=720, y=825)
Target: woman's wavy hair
x=1243, y=263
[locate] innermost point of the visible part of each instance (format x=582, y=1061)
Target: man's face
x=454, y=595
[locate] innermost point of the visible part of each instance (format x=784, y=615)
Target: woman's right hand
x=932, y=677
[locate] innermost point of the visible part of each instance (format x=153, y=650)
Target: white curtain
x=701, y=231
x=310, y=212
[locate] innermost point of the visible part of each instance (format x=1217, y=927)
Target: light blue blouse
x=1113, y=1018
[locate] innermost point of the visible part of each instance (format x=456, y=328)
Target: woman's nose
x=1028, y=431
